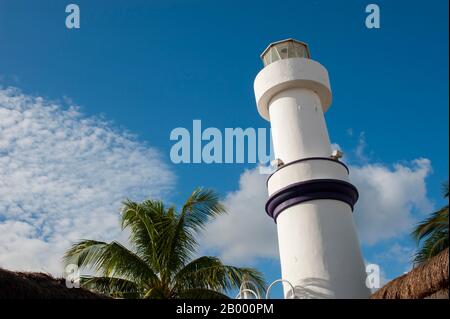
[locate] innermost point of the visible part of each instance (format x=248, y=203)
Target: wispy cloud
x=360, y=151
x=62, y=178
x=397, y=253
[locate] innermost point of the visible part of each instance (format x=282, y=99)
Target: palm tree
x=432, y=233
x=160, y=264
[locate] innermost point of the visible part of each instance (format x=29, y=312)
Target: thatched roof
x=34, y=285
x=428, y=280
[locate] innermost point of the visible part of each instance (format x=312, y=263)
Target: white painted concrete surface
x=319, y=248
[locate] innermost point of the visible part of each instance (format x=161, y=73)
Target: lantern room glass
x=285, y=50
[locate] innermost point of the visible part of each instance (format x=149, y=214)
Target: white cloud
x=350, y=131
x=389, y=199
x=397, y=253
x=246, y=232
x=62, y=178
x=360, y=151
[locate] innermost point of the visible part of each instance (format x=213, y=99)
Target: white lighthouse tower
x=310, y=197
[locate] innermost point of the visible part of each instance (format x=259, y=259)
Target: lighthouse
x=311, y=199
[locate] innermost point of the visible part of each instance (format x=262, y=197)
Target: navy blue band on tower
x=311, y=190
x=306, y=160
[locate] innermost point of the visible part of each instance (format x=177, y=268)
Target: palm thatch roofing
x=35, y=285
x=426, y=281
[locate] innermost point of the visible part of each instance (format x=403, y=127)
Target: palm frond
x=432, y=234
x=210, y=273
x=181, y=244
x=114, y=287
x=157, y=292
x=201, y=294
x=202, y=205
x=438, y=221
x=147, y=223
x=111, y=259
x=431, y=247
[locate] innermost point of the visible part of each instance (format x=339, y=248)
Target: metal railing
x=244, y=289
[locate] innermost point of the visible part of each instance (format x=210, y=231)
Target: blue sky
x=151, y=66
